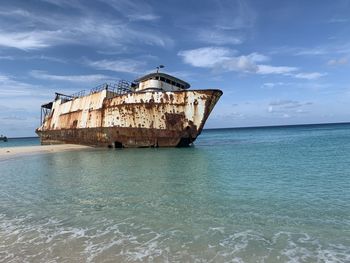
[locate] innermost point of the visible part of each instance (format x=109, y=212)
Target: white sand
x=10, y=152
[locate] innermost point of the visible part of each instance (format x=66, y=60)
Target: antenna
x=159, y=67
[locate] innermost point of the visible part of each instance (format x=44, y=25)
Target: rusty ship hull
x=138, y=119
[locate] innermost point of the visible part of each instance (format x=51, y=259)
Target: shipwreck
x=156, y=110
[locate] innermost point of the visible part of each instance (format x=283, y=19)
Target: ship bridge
x=160, y=81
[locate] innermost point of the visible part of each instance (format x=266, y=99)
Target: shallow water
x=14, y=142
x=240, y=195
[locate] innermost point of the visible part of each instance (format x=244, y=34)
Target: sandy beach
x=10, y=152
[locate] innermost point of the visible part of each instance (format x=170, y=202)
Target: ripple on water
x=254, y=195
x=24, y=239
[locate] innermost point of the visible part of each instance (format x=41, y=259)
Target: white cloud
x=337, y=62
x=24, y=40
x=256, y=57
x=70, y=78
x=266, y=69
x=123, y=65
x=207, y=57
x=85, y=32
x=247, y=64
x=143, y=17
x=92, y=28
x=220, y=58
x=271, y=85
x=241, y=64
x=225, y=59
x=310, y=76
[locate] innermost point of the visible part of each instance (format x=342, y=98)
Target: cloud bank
x=225, y=59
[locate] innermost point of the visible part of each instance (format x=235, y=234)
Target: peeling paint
x=137, y=119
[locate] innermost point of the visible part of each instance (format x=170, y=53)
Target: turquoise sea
x=279, y=194
x=15, y=142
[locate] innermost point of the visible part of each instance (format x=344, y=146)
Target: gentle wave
x=52, y=241
x=253, y=195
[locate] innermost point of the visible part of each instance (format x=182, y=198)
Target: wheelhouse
x=160, y=81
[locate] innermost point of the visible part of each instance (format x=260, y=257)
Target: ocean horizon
x=262, y=194
x=239, y=127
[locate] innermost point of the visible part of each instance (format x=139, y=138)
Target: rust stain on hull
x=139, y=119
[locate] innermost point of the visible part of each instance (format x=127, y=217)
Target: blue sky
x=278, y=62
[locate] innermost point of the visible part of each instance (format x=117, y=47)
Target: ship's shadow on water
x=245, y=196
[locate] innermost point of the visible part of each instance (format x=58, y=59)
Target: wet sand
x=11, y=152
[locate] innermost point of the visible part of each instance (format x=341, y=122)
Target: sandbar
x=11, y=152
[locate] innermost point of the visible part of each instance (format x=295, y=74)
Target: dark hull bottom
x=119, y=137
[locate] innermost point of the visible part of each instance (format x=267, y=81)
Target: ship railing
x=118, y=88
x=78, y=94
x=99, y=88
x=65, y=97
